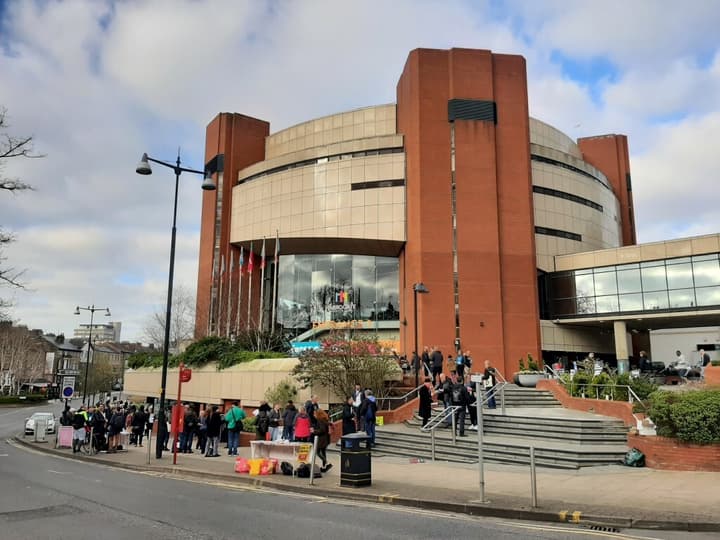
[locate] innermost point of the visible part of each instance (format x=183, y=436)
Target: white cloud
x=98, y=83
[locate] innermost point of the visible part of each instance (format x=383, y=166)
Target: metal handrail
x=497, y=389
x=553, y=372
x=433, y=424
x=403, y=397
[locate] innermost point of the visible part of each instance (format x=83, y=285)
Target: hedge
x=28, y=398
x=690, y=416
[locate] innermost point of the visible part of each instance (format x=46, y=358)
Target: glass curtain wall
x=670, y=284
x=314, y=289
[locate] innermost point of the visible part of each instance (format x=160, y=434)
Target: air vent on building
x=472, y=109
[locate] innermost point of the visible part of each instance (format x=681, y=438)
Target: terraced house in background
x=524, y=238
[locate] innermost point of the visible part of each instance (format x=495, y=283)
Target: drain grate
x=603, y=528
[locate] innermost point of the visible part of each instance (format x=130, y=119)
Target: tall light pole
x=92, y=309
x=208, y=184
x=422, y=289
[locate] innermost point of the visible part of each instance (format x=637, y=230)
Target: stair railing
x=436, y=421
x=400, y=400
x=552, y=372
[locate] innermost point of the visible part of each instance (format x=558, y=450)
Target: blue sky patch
x=593, y=73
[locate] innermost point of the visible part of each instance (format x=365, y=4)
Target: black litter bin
x=355, y=460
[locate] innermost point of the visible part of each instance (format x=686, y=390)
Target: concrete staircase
x=562, y=438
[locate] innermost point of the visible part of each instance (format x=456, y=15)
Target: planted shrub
x=692, y=416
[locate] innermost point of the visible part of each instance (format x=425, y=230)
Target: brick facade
x=670, y=454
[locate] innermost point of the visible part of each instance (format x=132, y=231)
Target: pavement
x=614, y=496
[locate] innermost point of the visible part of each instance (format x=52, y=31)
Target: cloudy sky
x=97, y=83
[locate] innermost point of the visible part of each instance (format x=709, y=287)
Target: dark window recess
x=557, y=232
x=377, y=184
x=216, y=164
x=333, y=157
x=472, y=109
x=567, y=196
x=550, y=161
x=628, y=181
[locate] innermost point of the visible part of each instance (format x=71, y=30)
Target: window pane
x=584, y=285
x=682, y=298
x=629, y=281
x=678, y=260
x=585, y=305
x=653, y=279
x=708, y=296
x=605, y=283
x=679, y=276
x=711, y=257
x=607, y=304
x=706, y=273
x=631, y=302
x=656, y=300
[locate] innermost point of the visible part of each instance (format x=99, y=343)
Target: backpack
x=370, y=412
x=634, y=458
x=263, y=423
x=286, y=468
x=118, y=421
x=457, y=393
x=303, y=471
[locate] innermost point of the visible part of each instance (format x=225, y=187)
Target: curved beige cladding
x=544, y=134
x=576, y=198
x=317, y=201
x=362, y=123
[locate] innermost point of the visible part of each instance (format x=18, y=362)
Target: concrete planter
x=528, y=380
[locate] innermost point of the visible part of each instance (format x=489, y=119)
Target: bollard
x=453, y=426
x=481, y=463
x=149, y=446
x=502, y=398
x=533, y=479
x=312, y=460
x=432, y=443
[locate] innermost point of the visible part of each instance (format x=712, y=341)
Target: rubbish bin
x=355, y=460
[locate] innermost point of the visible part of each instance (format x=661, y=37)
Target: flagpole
x=275, y=282
x=262, y=286
x=241, y=262
x=218, y=327
x=229, y=306
x=250, y=269
x=212, y=301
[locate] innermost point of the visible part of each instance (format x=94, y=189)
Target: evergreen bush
x=692, y=416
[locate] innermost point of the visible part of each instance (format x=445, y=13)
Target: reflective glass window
x=606, y=304
x=653, y=278
x=629, y=281
x=584, y=285
x=681, y=298
x=707, y=273
x=680, y=276
x=650, y=264
x=711, y=257
x=655, y=300
x=631, y=302
x=605, y=283
x=678, y=260
x=708, y=296
x=585, y=305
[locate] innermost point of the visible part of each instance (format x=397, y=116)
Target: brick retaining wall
x=671, y=454
x=617, y=409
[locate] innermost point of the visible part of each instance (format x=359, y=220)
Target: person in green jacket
x=234, y=418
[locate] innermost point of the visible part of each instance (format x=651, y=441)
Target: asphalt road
x=47, y=497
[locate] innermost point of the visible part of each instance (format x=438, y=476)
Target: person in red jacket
x=302, y=426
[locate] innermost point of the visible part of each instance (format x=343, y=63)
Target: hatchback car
x=48, y=417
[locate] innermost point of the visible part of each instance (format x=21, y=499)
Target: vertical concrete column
x=621, y=346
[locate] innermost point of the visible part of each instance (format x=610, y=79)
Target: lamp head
x=420, y=288
x=144, y=166
x=77, y=310
x=208, y=182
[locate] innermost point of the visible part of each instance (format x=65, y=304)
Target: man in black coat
x=425, y=395
x=348, y=417
x=460, y=398
x=437, y=364
x=214, y=424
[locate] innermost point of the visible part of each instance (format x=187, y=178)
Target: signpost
x=184, y=375
x=478, y=380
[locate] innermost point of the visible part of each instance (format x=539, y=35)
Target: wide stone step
x=494, y=450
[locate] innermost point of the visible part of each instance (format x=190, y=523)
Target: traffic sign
x=68, y=387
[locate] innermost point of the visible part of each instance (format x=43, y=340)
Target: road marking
x=565, y=530
x=58, y=472
x=3, y=455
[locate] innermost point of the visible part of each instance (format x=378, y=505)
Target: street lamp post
x=422, y=289
x=92, y=309
x=208, y=184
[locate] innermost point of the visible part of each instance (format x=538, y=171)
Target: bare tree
x=182, y=320
x=22, y=358
x=11, y=147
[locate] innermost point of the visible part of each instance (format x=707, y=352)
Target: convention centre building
x=450, y=215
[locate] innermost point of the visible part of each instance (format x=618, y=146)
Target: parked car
x=30, y=422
